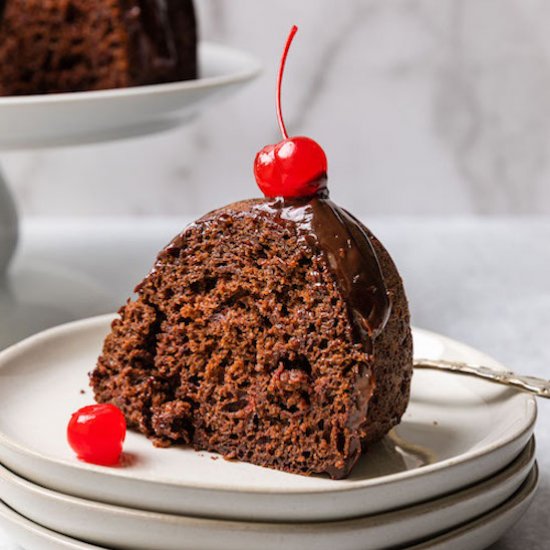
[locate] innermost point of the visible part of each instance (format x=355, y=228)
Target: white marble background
x=423, y=106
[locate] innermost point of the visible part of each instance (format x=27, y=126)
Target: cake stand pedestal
x=54, y=120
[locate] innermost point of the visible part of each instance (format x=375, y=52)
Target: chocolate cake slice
x=272, y=331
x=75, y=45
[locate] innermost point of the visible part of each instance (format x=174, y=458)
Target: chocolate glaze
x=349, y=255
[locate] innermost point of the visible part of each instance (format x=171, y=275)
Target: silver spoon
x=530, y=384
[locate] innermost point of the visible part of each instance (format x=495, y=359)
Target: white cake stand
x=54, y=120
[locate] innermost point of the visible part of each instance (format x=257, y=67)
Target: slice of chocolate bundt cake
x=75, y=45
x=265, y=333
x=273, y=331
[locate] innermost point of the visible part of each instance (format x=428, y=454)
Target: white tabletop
x=483, y=281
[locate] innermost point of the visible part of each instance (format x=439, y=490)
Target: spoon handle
x=530, y=384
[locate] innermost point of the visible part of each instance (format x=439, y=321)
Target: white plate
x=118, y=527
x=457, y=431
x=474, y=535
x=83, y=117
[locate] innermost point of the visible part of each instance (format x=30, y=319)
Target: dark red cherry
x=96, y=434
x=296, y=166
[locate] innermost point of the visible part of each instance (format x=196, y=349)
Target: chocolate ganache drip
x=349, y=254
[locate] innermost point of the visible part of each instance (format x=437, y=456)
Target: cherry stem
x=291, y=34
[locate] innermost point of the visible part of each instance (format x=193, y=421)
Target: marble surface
x=423, y=106
x=483, y=281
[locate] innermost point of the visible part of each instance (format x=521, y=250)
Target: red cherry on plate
x=96, y=434
x=296, y=166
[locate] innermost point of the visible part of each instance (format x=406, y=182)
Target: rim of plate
x=12, y=352
x=250, y=67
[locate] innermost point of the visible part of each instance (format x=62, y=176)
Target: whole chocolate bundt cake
x=74, y=45
x=274, y=332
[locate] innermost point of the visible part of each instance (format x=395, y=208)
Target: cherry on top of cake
x=295, y=167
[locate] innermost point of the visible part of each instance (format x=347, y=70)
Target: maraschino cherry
x=96, y=434
x=296, y=166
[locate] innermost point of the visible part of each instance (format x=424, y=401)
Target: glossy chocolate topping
x=349, y=254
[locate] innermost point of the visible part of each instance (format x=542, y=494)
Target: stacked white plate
x=456, y=473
